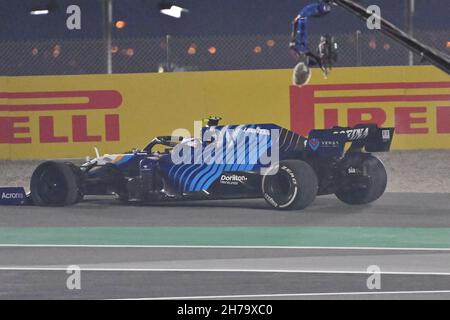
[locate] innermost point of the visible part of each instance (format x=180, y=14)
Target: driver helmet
x=192, y=142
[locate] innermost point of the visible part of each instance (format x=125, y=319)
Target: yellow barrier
x=66, y=116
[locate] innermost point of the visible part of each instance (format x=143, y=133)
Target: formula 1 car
x=229, y=162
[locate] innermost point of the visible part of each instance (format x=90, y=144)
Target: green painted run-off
x=233, y=236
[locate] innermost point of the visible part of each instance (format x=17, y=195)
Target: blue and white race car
x=229, y=162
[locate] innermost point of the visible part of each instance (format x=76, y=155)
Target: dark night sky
x=206, y=17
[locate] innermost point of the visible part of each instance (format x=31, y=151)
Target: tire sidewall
x=70, y=180
x=303, y=181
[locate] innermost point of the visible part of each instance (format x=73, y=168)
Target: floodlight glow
x=174, y=11
x=39, y=12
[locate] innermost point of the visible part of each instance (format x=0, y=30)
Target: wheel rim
x=52, y=187
x=280, y=187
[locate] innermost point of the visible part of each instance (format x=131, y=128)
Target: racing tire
x=301, y=74
x=372, y=190
x=123, y=198
x=79, y=180
x=55, y=184
x=294, y=185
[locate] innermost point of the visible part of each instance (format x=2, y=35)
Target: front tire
x=373, y=187
x=294, y=185
x=54, y=184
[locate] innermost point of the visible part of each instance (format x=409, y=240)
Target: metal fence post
x=169, y=68
x=358, y=48
x=410, y=10
x=108, y=16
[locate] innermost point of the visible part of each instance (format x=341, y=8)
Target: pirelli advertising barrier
x=66, y=116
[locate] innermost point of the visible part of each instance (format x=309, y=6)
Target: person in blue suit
x=327, y=50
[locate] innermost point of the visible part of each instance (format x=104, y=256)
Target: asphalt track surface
x=228, y=250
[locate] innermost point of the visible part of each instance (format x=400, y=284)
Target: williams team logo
x=314, y=144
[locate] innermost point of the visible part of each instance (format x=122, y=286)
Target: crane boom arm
x=436, y=58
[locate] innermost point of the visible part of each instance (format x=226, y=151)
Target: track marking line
x=222, y=271
x=321, y=294
x=217, y=247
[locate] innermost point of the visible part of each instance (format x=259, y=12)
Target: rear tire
x=293, y=187
x=55, y=184
x=375, y=187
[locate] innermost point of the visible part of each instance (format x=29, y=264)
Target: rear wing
x=368, y=137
